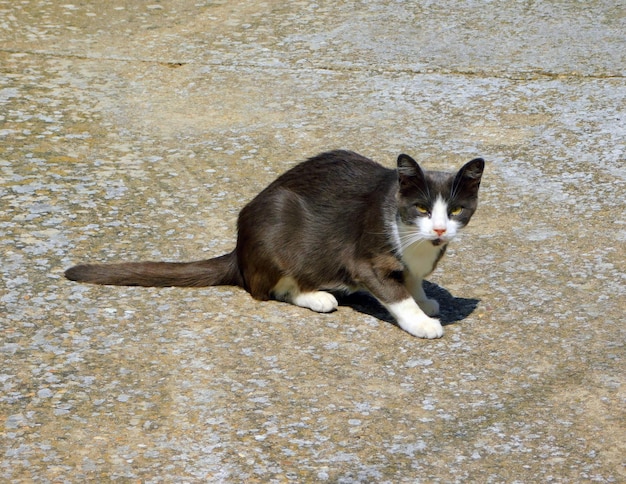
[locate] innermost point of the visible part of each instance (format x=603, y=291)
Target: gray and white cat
x=337, y=221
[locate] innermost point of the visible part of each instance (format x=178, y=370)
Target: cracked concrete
x=134, y=130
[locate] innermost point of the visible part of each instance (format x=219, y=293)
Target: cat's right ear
x=409, y=172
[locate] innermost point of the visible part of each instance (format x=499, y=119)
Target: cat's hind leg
x=319, y=301
x=287, y=290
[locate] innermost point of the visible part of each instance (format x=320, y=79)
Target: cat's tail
x=219, y=271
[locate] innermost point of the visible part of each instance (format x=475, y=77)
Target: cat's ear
x=471, y=173
x=473, y=169
x=409, y=172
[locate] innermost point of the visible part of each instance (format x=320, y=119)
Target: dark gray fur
x=325, y=223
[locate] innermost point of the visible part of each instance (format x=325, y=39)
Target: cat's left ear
x=471, y=173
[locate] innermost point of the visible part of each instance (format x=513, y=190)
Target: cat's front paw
x=429, y=306
x=423, y=327
x=426, y=328
x=412, y=319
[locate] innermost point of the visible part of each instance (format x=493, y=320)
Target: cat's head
x=434, y=205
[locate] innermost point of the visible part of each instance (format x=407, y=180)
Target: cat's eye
x=421, y=209
x=456, y=211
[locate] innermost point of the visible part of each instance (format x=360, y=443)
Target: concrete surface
x=137, y=130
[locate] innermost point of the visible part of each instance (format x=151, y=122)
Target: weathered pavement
x=132, y=130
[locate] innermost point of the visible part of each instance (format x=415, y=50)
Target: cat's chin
x=438, y=242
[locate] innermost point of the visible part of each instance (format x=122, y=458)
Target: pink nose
x=439, y=232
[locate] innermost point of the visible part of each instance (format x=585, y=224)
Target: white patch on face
x=420, y=243
x=438, y=225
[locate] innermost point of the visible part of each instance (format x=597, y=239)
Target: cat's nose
x=439, y=232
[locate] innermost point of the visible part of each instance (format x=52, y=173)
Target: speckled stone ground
x=137, y=130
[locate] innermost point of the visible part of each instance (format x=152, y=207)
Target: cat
x=336, y=222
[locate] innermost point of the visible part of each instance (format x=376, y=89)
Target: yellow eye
x=421, y=209
x=456, y=211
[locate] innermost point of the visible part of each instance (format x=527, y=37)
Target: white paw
x=319, y=301
x=412, y=319
x=429, y=306
x=423, y=328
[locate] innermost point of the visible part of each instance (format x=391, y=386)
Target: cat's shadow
x=452, y=309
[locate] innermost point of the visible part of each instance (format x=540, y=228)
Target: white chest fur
x=420, y=257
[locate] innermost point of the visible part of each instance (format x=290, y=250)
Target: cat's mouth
x=438, y=242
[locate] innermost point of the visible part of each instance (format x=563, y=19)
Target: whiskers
x=410, y=237
x=402, y=237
